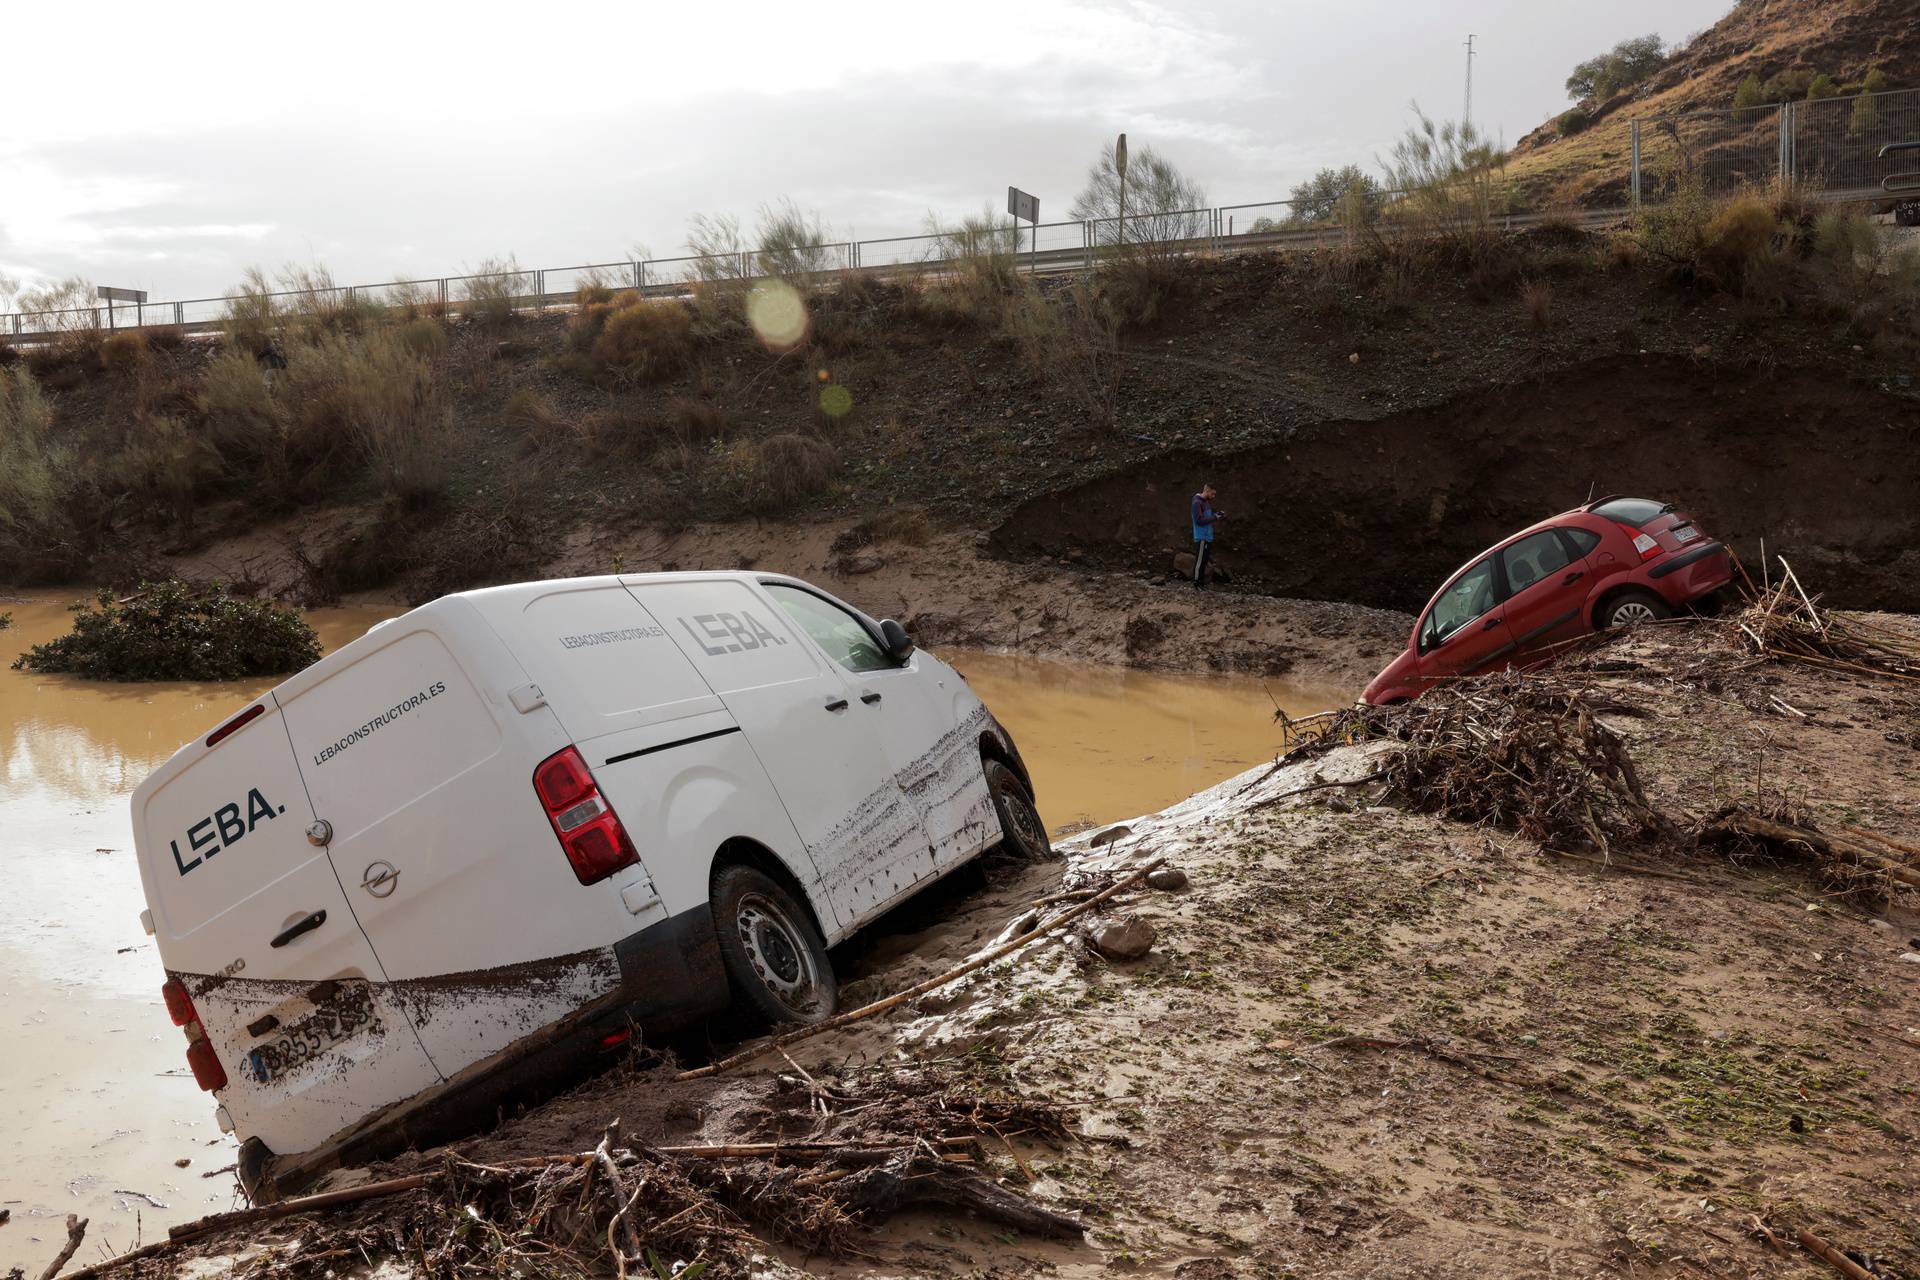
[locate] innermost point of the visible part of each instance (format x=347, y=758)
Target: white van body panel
x=458, y=940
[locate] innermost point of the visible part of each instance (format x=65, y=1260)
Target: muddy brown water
x=99, y=1102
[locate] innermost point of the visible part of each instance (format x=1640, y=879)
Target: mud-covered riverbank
x=1363, y=1041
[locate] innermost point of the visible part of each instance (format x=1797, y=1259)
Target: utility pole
x=1466, y=114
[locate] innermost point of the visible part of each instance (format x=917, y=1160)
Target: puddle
x=100, y=1104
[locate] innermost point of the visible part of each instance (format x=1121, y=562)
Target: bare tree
x=1162, y=202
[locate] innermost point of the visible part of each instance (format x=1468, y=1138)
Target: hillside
x=1785, y=45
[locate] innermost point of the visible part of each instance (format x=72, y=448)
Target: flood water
x=100, y=1105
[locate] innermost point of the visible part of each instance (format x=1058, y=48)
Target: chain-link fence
x=1830, y=145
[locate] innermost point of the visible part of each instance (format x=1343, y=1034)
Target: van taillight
x=201, y=1056
x=238, y=722
x=589, y=830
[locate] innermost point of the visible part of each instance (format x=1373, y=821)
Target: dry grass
x=644, y=341
x=1536, y=299
x=124, y=354
x=535, y=416
x=32, y=485
x=490, y=290
x=789, y=470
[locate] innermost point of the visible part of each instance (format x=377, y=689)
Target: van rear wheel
x=775, y=958
x=1022, y=834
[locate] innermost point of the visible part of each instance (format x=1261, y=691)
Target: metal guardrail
x=1833, y=142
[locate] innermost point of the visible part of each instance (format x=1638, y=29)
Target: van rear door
x=250, y=917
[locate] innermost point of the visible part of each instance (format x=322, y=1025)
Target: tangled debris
x=1782, y=621
x=1526, y=751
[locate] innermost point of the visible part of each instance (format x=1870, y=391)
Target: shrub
x=701, y=418
x=1574, y=120
x=491, y=288
x=645, y=341
x=371, y=397
x=1750, y=93
x=253, y=313
x=69, y=310
x=588, y=295
x=166, y=337
x=1737, y=237
x=124, y=353
x=1536, y=298
x=1823, y=86
x=1786, y=86
x=789, y=469
x=535, y=415
x=1163, y=203
x=1448, y=172
x=793, y=243
x=424, y=337
x=1332, y=195
x=175, y=631
x=33, y=485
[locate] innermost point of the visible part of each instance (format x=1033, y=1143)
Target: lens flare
x=778, y=314
x=835, y=401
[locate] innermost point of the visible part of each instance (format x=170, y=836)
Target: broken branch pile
x=1783, y=621
x=1852, y=858
x=1526, y=751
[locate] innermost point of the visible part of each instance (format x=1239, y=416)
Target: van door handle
x=837, y=704
x=869, y=697
x=1573, y=577
x=299, y=927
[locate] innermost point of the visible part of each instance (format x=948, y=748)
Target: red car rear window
x=1632, y=511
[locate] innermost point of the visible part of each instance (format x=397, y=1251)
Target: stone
x=862, y=562
x=1119, y=937
x=1881, y=925
x=1171, y=879
x=1108, y=836
x=1910, y=957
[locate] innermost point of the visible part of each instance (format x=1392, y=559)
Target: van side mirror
x=898, y=643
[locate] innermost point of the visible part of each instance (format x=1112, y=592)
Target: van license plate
x=340, y=1018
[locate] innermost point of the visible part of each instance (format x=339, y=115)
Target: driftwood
x=1839, y=1261
x=917, y=1178
x=76, y=1231
x=931, y=984
x=1828, y=846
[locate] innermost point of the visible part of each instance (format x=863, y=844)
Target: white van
x=496, y=834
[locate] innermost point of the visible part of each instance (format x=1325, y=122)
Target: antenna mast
x=1466, y=115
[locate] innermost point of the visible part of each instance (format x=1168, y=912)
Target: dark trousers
x=1202, y=550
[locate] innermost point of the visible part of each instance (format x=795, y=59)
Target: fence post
x=1785, y=114
x=1633, y=130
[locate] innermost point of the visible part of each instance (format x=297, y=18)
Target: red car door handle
x=1573, y=577
x=1490, y=623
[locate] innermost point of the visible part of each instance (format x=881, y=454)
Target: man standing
x=1204, y=518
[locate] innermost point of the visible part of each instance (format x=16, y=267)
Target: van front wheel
x=775, y=958
x=1022, y=834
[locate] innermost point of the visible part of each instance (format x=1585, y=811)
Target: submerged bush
x=176, y=631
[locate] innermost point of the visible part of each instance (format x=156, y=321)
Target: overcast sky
x=171, y=146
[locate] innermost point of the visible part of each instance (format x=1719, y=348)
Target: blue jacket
x=1203, y=519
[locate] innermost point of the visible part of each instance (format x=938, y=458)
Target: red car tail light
x=589, y=831
x=201, y=1055
x=1646, y=546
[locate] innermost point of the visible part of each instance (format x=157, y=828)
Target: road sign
x=1120, y=167
x=1120, y=155
x=110, y=294
x=1023, y=206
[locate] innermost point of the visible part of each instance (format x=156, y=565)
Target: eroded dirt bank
x=948, y=591
x=1364, y=1042
x=1378, y=512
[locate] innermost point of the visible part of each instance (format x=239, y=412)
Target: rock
x=1354, y=358
x=1337, y=803
x=1108, y=836
x=1183, y=564
x=1881, y=925
x=1171, y=879
x=183, y=1162
x=1910, y=957
x=511, y=350
x=1024, y=924
x=1119, y=937
x=862, y=562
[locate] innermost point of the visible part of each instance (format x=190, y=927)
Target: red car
x=1608, y=564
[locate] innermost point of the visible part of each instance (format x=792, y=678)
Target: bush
x=124, y=353
x=1448, y=172
x=1823, y=86
x=1536, y=298
x=645, y=341
x=424, y=337
x=535, y=415
x=166, y=337
x=175, y=631
x=1786, y=86
x=33, y=484
x=1737, y=238
x=1574, y=120
x=1750, y=93
x=789, y=469
x=491, y=289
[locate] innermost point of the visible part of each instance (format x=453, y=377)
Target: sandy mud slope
x=1364, y=1042
x=1380, y=511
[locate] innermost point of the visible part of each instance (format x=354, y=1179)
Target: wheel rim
x=1024, y=818
x=1625, y=615
x=776, y=947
